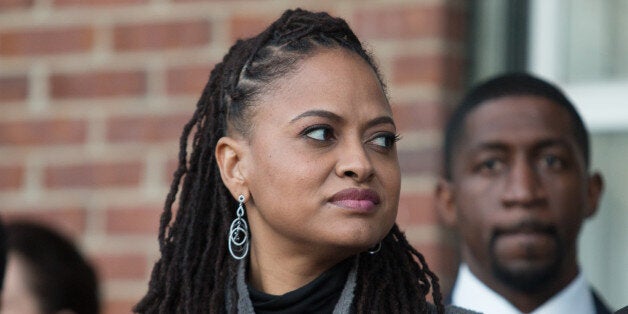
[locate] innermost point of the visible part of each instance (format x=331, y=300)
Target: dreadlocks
x=195, y=270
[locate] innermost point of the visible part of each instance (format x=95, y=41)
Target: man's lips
x=528, y=239
x=529, y=227
x=356, y=199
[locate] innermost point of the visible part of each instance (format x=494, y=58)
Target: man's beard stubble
x=531, y=279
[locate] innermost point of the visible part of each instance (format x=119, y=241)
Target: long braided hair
x=195, y=270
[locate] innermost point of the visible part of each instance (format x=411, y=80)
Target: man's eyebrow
x=553, y=142
x=490, y=145
x=497, y=145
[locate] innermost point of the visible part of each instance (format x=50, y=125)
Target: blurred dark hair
x=59, y=276
x=3, y=254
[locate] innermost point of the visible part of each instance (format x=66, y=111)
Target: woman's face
x=321, y=162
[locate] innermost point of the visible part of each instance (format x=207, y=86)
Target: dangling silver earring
x=375, y=249
x=239, y=233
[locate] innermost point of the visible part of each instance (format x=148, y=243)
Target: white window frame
x=603, y=105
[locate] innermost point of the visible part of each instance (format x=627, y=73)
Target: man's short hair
x=511, y=84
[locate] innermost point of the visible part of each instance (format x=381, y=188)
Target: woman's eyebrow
x=318, y=113
x=381, y=120
x=332, y=116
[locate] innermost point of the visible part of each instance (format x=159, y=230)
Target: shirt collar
x=469, y=292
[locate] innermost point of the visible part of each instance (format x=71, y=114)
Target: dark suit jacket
x=600, y=306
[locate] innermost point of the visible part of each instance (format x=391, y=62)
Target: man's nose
x=523, y=185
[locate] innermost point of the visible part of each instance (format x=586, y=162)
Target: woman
x=289, y=195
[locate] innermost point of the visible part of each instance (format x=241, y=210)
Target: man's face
x=520, y=191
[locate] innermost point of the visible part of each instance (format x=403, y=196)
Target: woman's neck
x=278, y=274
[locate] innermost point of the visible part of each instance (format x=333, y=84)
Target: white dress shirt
x=469, y=292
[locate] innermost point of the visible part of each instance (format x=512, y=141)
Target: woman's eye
x=319, y=133
x=385, y=140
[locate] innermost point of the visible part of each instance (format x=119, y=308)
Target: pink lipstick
x=359, y=200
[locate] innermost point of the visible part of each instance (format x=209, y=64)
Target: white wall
x=604, y=241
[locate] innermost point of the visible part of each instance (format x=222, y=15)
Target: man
x=517, y=188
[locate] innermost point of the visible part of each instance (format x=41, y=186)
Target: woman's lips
x=359, y=200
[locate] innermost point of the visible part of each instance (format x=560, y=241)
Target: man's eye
x=385, y=140
x=553, y=162
x=319, y=133
x=490, y=165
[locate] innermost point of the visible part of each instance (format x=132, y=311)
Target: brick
x=456, y=67
x=41, y=41
x=440, y=258
x=13, y=88
x=121, y=265
x=457, y=27
x=98, y=84
x=425, y=161
x=437, y=70
x=454, y=72
x=146, y=128
x=418, y=69
x=68, y=220
x=163, y=35
x=203, y=0
x=246, y=26
x=11, y=177
x=96, y=3
x=416, y=209
x=15, y=4
x=118, y=306
x=170, y=167
x=409, y=22
x=419, y=116
x=93, y=175
x=133, y=220
x=189, y=79
x=43, y=132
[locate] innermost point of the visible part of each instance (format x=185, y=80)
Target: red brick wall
x=93, y=95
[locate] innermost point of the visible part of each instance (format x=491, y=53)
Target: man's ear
x=594, y=193
x=229, y=156
x=445, y=203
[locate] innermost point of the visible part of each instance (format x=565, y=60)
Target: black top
x=318, y=296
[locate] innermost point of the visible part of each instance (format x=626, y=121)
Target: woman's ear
x=445, y=203
x=229, y=156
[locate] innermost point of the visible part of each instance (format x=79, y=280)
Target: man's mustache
x=526, y=226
